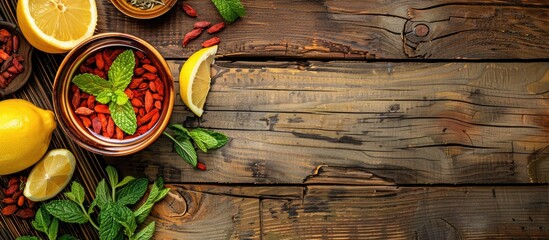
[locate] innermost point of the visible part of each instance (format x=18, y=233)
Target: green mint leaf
x=112, y=174
x=109, y=228
x=29, y=238
x=67, y=237
x=125, y=181
x=220, y=137
x=184, y=148
x=230, y=10
x=105, y=96
x=66, y=211
x=102, y=194
x=145, y=233
x=161, y=194
x=207, y=141
x=92, y=205
x=132, y=192
x=201, y=145
x=77, y=193
x=159, y=183
x=42, y=220
x=124, y=216
x=121, y=97
x=179, y=130
x=156, y=194
x=124, y=117
x=52, y=231
x=121, y=70
x=91, y=83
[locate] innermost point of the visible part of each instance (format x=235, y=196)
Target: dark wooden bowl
x=25, y=50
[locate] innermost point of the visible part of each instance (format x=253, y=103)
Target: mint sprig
x=203, y=139
x=111, y=91
x=230, y=10
x=114, y=200
x=46, y=223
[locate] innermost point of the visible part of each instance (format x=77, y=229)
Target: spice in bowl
x=145, y=4
x=10, y=60
x=117, y=93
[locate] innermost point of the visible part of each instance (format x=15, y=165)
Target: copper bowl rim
x=67, y=120
x=131, y=11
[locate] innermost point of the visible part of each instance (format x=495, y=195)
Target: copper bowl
x=25, y=50
x=134, y=12
x=73, y=126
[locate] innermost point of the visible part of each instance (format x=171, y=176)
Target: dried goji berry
x=8, y=201
x=149, y=68
x=86, y=121
x=210, y=42
x=13, y=181
x=102, y=108
x=25, y=213
x=136, y=103
x=11, y=190
x=149, y=76
x=216, y=28
x=119, y=133
x=99, y=62
x=191, y=35
x=21, y=201
x=148, y=101
x=139, y=71
x=189, y=10
x=96, y=125
x=83, y=111
x=154, y=118
x=110, y=128
x=91, y=102
x=17, y=194
x=201, y=24
x=201, y=166
x=9, y=210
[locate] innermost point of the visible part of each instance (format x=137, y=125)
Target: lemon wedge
x=50, y=175
x=195, y=78
x=56, y=26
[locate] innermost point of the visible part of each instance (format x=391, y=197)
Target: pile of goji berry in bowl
x=113, y=94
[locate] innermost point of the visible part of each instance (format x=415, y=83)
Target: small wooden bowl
x=134, y=12
x=25, y=50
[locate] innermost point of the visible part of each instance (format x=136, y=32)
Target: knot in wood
x=421, y=30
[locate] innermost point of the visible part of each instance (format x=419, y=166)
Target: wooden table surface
x=347, y=119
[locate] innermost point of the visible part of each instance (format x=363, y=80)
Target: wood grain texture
x=405, y=123
x=350, y=29
x=352, y=212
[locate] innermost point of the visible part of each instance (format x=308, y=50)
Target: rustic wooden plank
x=357, y=212
x=349, y=29
x=353, y=212
x=187, y=213
x=402, y=123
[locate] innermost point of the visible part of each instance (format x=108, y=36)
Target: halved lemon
x=195, y=78
x=56, y=26
x=50, y=175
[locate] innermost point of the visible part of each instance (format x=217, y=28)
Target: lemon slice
x=50, y=175
x=195, y=78
x=56, y=26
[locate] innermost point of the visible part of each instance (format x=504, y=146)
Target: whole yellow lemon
x=25, y=134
